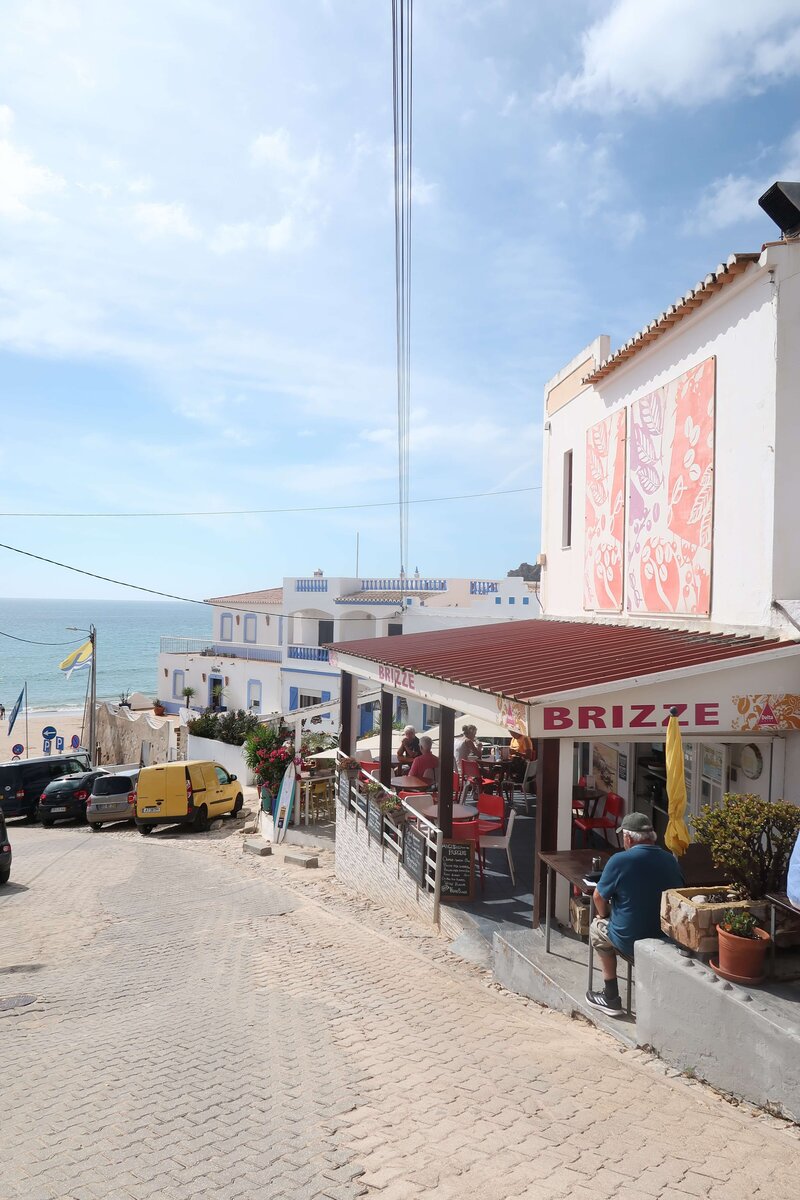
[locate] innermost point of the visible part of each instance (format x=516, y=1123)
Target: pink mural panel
x=671, y=490
x=605, y=514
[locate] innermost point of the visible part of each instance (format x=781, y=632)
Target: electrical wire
x=34, y=642
x=254, y=512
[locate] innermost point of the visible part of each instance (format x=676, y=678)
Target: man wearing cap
x=630, y=890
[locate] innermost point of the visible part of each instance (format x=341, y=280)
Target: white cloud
x=23, y=182
x=731, y=199
x=6, y=119
x=282, y=234
x=682, y=52
x=164, y=221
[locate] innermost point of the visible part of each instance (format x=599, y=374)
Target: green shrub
x=750, y=839
x=233, y=728
x=740, y=922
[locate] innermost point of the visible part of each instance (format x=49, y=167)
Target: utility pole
x=93, y=697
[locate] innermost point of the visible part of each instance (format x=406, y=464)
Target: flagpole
x=93, y=696
x=27, y=743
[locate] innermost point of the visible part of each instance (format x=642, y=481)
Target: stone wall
x=378, y=874
x=120, y=734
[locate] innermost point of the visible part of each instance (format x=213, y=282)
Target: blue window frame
x=178, y=684
x=512, y=599
x=226, y=627
x=254, y=693
x=526, y=600
x=250, y=627
x=498, y=599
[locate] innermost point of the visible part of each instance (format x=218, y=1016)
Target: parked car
x=22, y=782
x=113, y=798
x=65, y=799
x=185, y=793
x=5, y=851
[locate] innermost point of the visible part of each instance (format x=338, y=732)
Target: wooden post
x=387, y=710
x=347, y=738
x=546, y=819
x=447, y=723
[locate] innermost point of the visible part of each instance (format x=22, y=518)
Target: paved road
x=210, y=1025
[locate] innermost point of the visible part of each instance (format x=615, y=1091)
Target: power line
x=34, y=642
x=253, y=512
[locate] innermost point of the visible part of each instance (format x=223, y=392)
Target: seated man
x=523, y=751
x=408, y=749
x=426, y=765
x=630, y=888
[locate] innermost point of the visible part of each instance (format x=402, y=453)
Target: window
x=250, y=627
x=526, y=600
x=254, y=693
x=566, y=516
x=512, y=599
x=498, y=599
x=306, y=700
x=325, y=633
x=222, y=775
x=178, y=684
x=394, y=629
x=226, y=628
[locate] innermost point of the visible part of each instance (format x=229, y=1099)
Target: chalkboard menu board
x=414, y=854
x=457, y=870
x=344, y=789
x=374, y=820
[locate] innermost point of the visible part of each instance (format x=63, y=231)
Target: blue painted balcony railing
x=311, y=585
x=309, y=653
x=483, y=587
x=404, y=585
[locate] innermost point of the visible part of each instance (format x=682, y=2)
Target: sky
x=197, y=262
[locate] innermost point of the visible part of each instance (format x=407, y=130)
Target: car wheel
x=200, y=822
x=4, y=878
x=47, y=824
x=31, y=817
x=237, y=805
x=97, y=825
x=145, y=830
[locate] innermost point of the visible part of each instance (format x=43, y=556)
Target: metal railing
x=310, y=653
x=315, y=584
x=483, y=587
x=404, y=585
x=210, y=649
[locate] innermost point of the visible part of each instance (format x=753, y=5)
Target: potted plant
x=125, y=699
x=158, y=707
x=742, y=947
x=187, y=694
x=350, y=767
x=750, y=839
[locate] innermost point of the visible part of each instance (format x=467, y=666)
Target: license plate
x=107, y=807
x=58, y=810
x=151, y=808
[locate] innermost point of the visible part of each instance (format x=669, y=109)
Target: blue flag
x=15, y=712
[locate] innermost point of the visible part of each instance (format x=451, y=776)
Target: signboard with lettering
x=458, y=870
x=374, y=821
x=344, y=789
x=414, y=854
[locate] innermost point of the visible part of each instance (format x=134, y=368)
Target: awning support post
x=385, y=751
x=546, y=819
x=447, y=724
x=347, y=687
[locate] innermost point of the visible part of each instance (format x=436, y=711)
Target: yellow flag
x=677, y=835
x=78, y=660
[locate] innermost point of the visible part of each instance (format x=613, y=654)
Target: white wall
x=267, y=625
x=238, y=671
x=737, y=326
x=229, y=757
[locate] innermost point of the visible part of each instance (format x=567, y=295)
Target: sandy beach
x=66, y=723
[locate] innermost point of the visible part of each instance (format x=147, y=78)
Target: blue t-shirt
x=633, y=881
x=793, y=876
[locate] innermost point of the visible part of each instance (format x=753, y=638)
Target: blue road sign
x=59, y=743
x=18, y=749
x=47, y=746
x=75, y=741
x=49, y=732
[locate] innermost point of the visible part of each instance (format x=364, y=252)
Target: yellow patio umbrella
x=677, y=835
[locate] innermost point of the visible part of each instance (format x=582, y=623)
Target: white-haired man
x=630, y=890
x=408, y=749
x=426, y=764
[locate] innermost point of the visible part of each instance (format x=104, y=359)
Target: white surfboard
x=284, y=803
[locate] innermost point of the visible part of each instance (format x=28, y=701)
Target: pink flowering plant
x=267, y=756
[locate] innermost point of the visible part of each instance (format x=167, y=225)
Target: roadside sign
x=18, y=749
x=59, y=744
x=75, y=741
x=47, y=746
x=49, y=732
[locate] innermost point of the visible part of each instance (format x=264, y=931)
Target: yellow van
x=185, y=793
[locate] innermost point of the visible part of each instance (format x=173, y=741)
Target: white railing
x=315, y=584
x=309, y=653
x=208, y=648
x=404, y=584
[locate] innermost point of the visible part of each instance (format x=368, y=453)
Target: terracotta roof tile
x=267, y=596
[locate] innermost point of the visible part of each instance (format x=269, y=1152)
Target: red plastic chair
x=491, y=814
x=471, y=779
x=469, y=831
x=613, y=809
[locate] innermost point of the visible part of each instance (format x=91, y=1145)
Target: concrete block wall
x=378, y=874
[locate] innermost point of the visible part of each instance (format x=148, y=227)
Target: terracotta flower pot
x=742, y=958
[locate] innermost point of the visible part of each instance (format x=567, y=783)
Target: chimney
x=781, y=203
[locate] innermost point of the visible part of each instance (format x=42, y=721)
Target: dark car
x=65, y=799
x=23, y=781
x=5, y=851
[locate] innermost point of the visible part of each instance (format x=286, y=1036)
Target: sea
x=128, y=633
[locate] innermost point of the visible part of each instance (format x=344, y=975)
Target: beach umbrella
x=677, y=835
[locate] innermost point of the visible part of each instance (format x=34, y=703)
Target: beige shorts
x=598, y=935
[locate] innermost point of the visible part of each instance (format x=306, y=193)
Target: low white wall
x=229, y=757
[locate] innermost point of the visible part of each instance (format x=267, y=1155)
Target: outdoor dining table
x=410, y=783
x=572, y=865
x=461, y=812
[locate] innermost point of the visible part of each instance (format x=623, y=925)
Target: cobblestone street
x=212, y=1025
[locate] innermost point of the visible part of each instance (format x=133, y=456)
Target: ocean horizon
x=128, y=633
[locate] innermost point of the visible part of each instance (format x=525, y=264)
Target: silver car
x=113, y=798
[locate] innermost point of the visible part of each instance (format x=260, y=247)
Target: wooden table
x=461, y=812
x=305, y=783
x=572, y=865
x=410, y=783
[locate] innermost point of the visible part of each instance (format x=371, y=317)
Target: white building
x=266, y=651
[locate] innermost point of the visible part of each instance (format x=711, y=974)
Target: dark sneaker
x=599, y=1000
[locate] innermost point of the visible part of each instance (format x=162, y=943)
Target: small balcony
x=209, y=649
x=315, y=584
x=406, y=584
x=308, y=653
